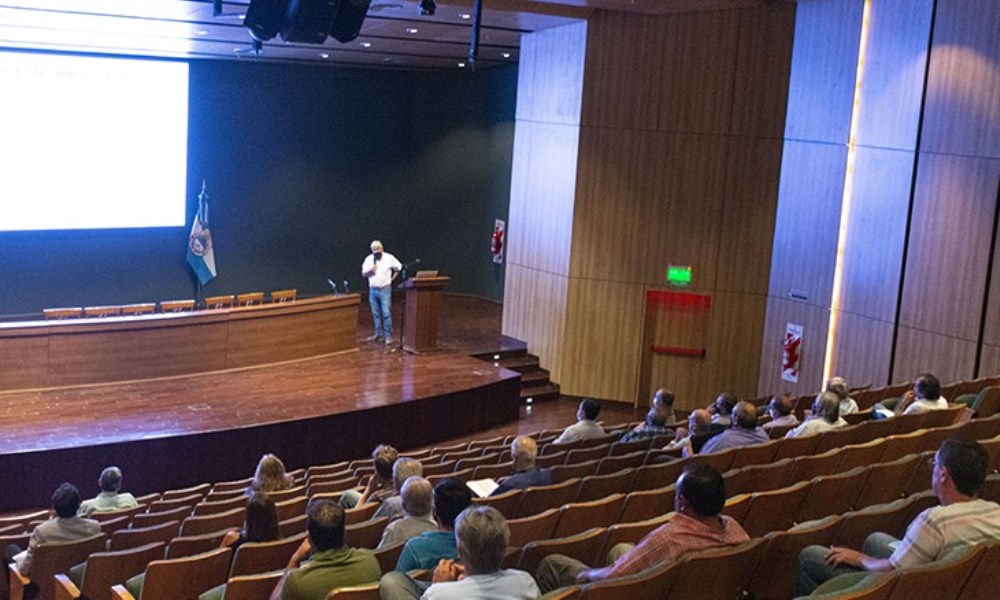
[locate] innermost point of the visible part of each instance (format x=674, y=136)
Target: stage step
x=525, y=363
x=513, y=355
x=535, y=378
x=541, y=393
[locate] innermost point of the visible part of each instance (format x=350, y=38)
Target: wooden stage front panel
x=176, y=432
x=45, y=354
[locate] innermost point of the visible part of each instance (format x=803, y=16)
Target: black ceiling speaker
x=265, y=18
x=309, y=21
x=350, y=17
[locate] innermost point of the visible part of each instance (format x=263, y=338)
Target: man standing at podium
x=381, y=269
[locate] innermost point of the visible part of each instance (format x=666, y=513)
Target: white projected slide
x=91, y=143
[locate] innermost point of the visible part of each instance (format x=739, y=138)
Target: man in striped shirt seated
x=698, y=525
x=962, y=520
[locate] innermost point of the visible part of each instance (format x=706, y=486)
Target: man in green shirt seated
x=332, y=565
x=110, y=497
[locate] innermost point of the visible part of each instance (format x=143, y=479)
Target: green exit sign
x=679, y=275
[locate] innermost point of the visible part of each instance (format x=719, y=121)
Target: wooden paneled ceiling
x=394, y=34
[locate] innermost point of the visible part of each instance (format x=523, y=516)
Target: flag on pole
x=200, y=252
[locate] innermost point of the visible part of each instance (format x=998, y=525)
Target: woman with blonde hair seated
x=270, y=476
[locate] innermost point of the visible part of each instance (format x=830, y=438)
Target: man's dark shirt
x=526, y=478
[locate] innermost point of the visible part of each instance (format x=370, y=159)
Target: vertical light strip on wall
x=845, y=203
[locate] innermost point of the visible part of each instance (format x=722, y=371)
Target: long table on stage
x=42, y=354
x=175, y=431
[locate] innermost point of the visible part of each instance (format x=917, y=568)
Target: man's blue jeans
x=381, y=303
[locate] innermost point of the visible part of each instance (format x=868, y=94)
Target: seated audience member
x=65, y=527
x=380, y=484
x=332, y=564
x=482, y=535
x=962, y=520
x=722, y=410
x=838, y=385
x=425, y=551
x=825, y=416
x=418, y=502
x=654, y=425
x=924, y=397
x=699, y=431
x=259, y=525
x=402, y=469
x=663, y=399
x=110, y=498
x=698, y=525
x=744, y=431
x=586, y=426
x=523, y=452
x=451, y=497
x=780, y=408
x=270, y=476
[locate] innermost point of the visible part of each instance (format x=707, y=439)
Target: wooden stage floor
x=182, y=431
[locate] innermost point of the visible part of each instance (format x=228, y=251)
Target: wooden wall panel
x=862, y=349
x=808, y=218
x=814, y=321
x=962, y=114
x=990, y=362
x=550, y=75
x=534, y=310
x=876, y=233
x=543, y=187
x=748, y=215
x=894, y=73
x=950, y=358
x=952, y=224
x=646, y=199
x=623, y=49
x=763, y=60
x=733, y=358
x=824, y=59
x=696, y=86
x=601, y=348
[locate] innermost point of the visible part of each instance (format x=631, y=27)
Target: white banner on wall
x=791, y=352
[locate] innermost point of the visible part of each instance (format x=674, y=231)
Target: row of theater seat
x=183, y=544
x=168, y=306
x=982, y=395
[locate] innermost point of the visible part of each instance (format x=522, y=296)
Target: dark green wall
x=305, y=166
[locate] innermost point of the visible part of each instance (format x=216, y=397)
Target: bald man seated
x=743, y=432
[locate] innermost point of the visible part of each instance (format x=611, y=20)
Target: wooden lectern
x=423, y=313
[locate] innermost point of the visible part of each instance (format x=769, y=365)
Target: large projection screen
x=91, y=142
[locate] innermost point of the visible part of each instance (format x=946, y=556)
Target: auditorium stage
x=181, y=431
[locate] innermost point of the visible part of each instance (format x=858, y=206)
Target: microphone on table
x=347, y=287
x=332, y=285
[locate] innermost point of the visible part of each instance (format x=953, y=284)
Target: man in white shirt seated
x=825, y=416
x=924, y=397
x=838, y=385
x=110, y=498
x=482, y=535
x=959, y=470
x=586, y=426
